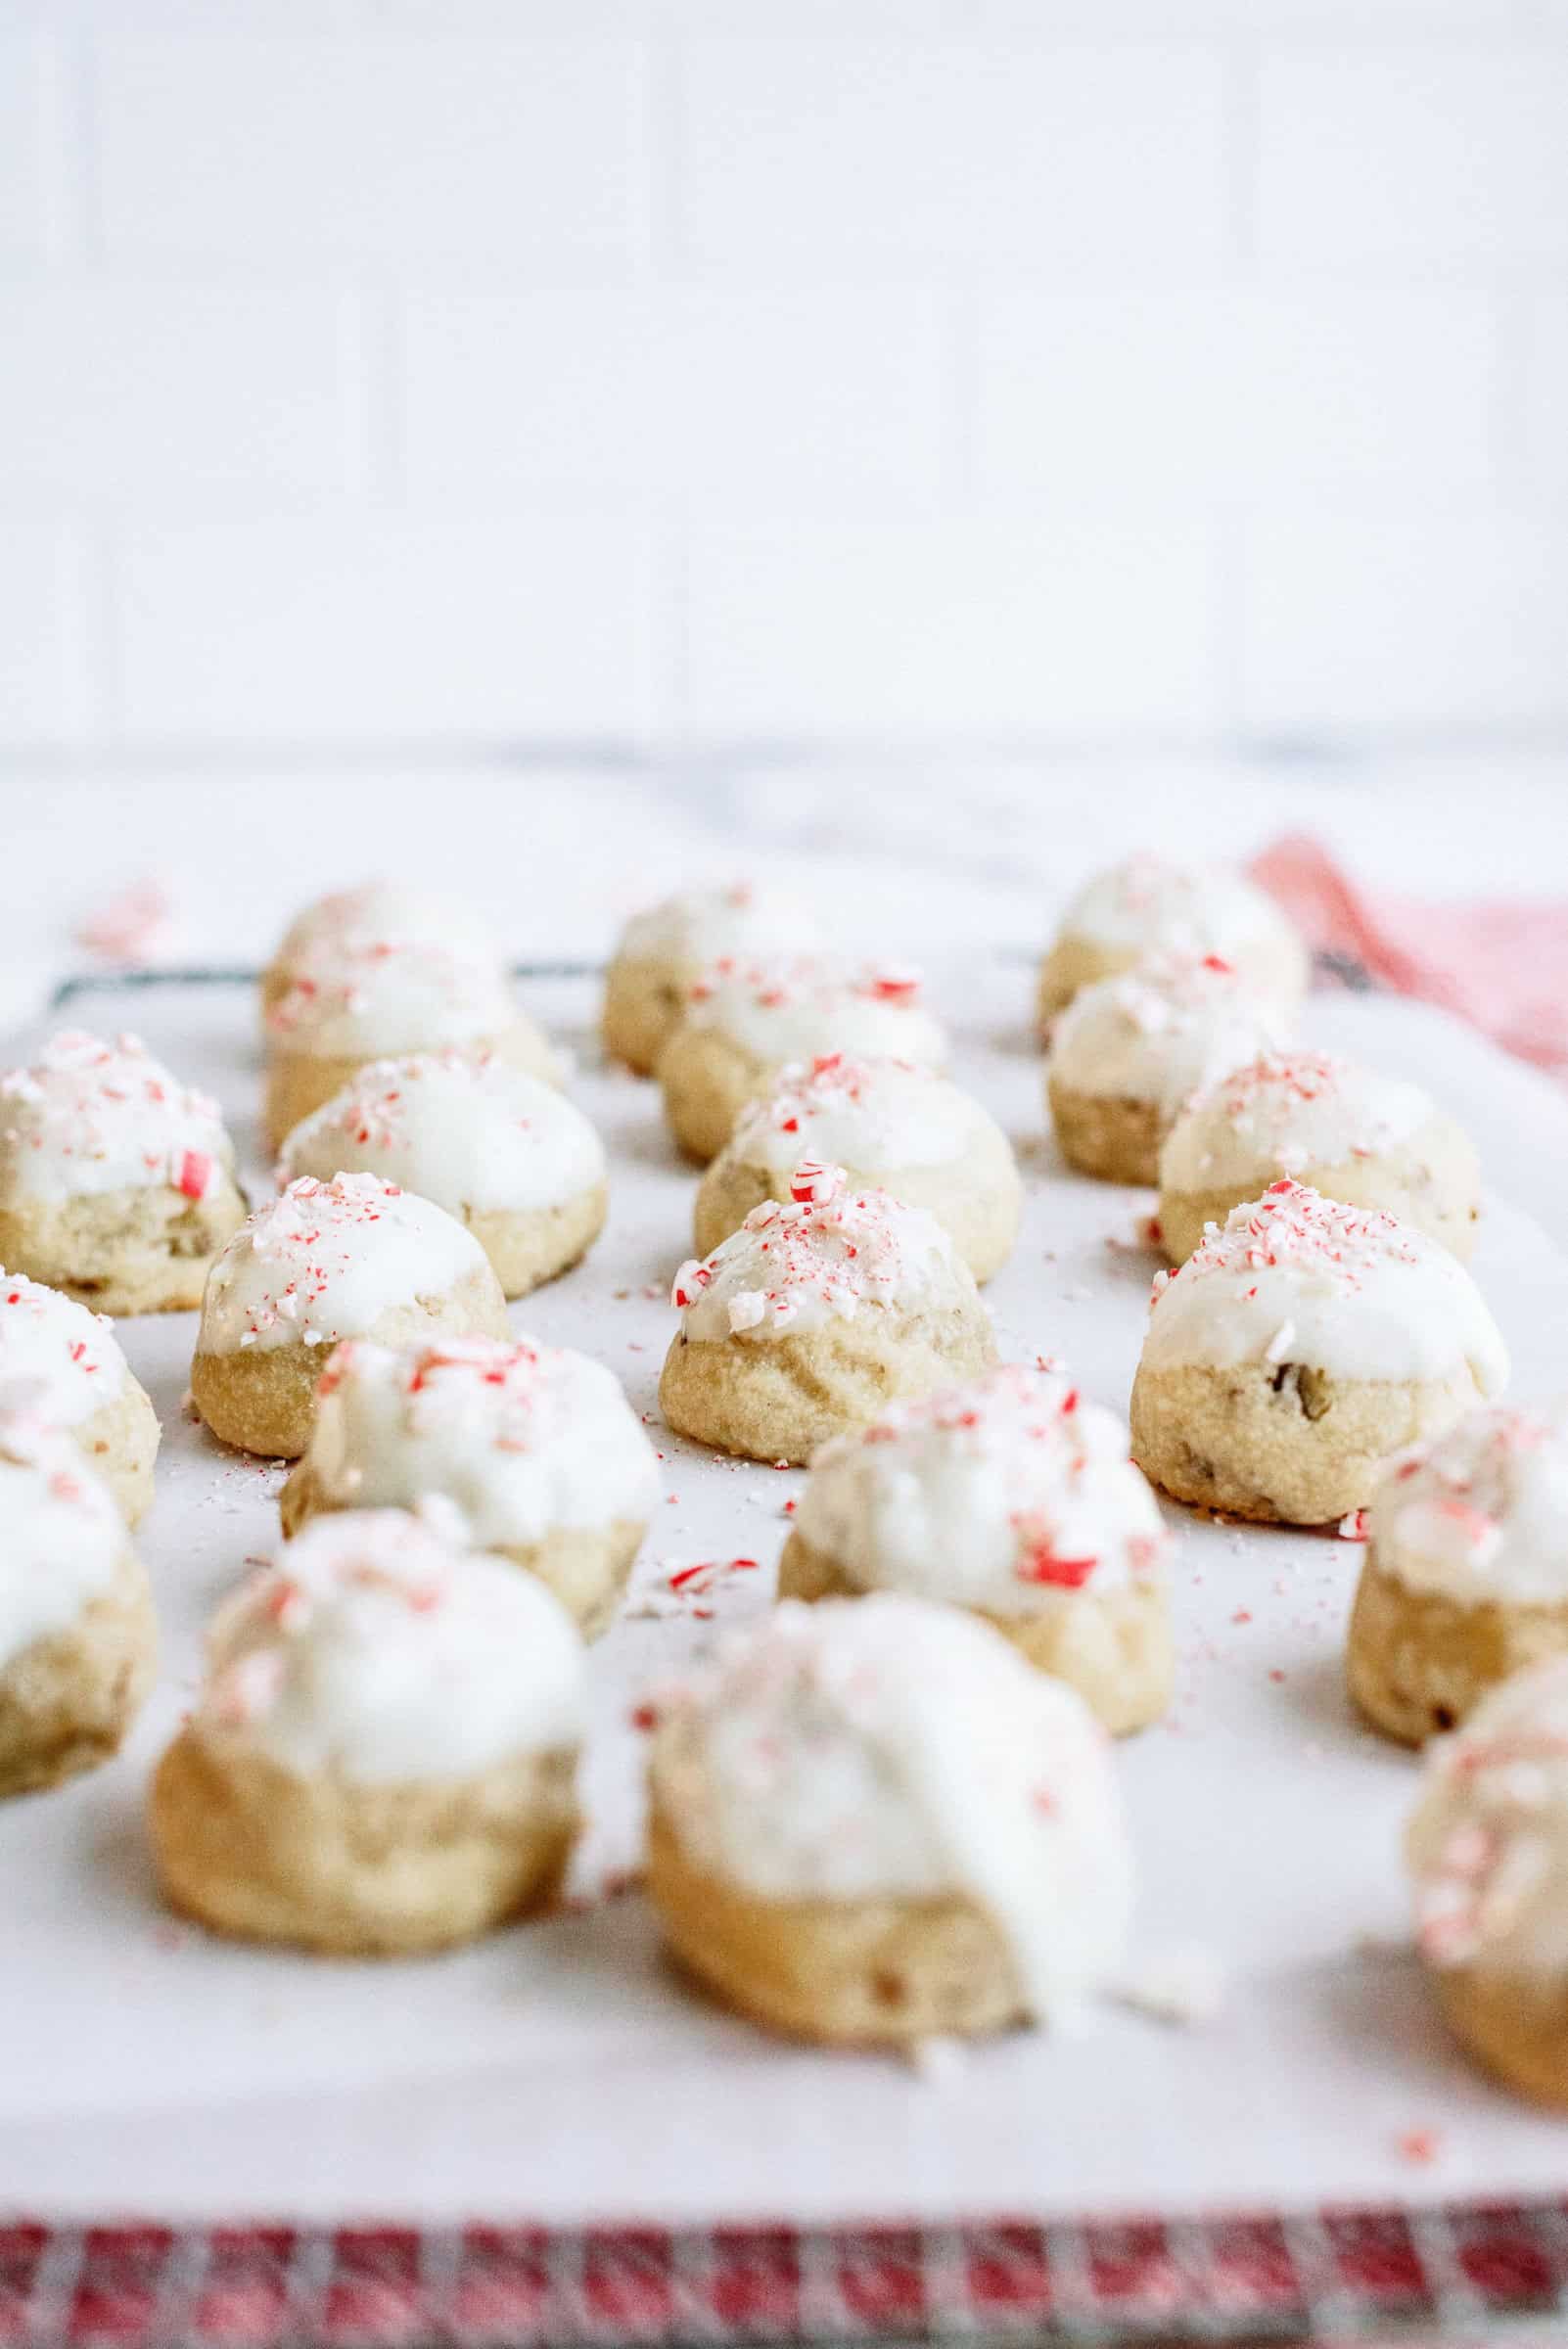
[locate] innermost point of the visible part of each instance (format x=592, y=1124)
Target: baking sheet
x=558, y=2073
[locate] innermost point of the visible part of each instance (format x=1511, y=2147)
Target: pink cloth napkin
x=1504, y=967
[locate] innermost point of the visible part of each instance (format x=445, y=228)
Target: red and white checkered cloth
x=1501, y=966
x=1328, y=2278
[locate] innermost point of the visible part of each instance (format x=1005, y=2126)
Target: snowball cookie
x=745, y=1022
x=78, y=1639
x=1465, y=1574
x=380, y=998
x=353, y=1258
x=1014, y=1498
x=886, y=1121
x=1488, y=1853
x=817, y=1315
x=661, y=950
x=381, y=1756
x=117, y=1182
x=537, y=1449
x=1127, y=1051
x=1147, y=906
x=377, y=909
x=875, y=1823
x=64, y=1362
x=1296, y=1349
x=500, y=1150
x=1350, y=1132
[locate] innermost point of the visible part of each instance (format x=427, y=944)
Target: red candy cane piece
x=812, y=1182
x=194, y=1174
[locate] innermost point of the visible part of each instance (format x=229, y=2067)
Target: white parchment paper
x=559, y=2072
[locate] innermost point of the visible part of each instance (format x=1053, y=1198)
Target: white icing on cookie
x=1009, y=1494
x=1296, y=1277
x=369, y=998
x=1285, y=1113
x=1146, y=904
x=880, y=1117
x=386, y=909
x=827, y=1253
x=1488, y=1843
x=325, y=1259
x=90, y=1116
x=1482, y=1512
x=468, y=1133
x=801, y=1007
x=63, y=1536
x=522, y=1439
x=56, y=1357
x=884, y=1747
x=1160, y=1031
x=376, y=1651
x=698, y=926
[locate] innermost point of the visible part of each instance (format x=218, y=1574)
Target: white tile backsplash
x=500, y=373
x=764, y=392
x=1446, y=153
x=284, y=149
x=1371, y=625
x=997, y=150
x=432, y=633
x=151, y=395
x=816, y=632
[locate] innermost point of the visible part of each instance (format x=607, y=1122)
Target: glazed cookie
x=500, y=1150
x=1015, y=1499
x=353, y=1258
x=78, y=1639
x=1349, y=1133
x=117, y=1182
x=886, y=1121
x=1147, y=906
x=875, y=1823
x=817, y=1315
x=744, y=1022
x=1127, y=1051
x=538, y=1453
x=1296, y=1349
x=660, y=953
x=377, y=909
x=381, y=1000
x=381, y=1756
x=1488, y=1854
x=1465, y=1576
x=64, y=1362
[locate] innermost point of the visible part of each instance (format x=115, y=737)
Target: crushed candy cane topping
x=1161, y=1030
x=325, y=1259
x=696, y=926
x=356, y=997
x=883, y=1746
x=379, y=1651
x=1285, y=1113
x=1296, y=1277
x=520, y=1438
x=65, y=1360
x=1002, y=1495
x=467, y=1132
x=826, y=1252
x=1481, y=1513
x=65, y=1536
x=875, y=1115
x=1488, y=1843
x=375, y=909
x=1149, y=902
x=801, y=1007
x=93, y=1117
